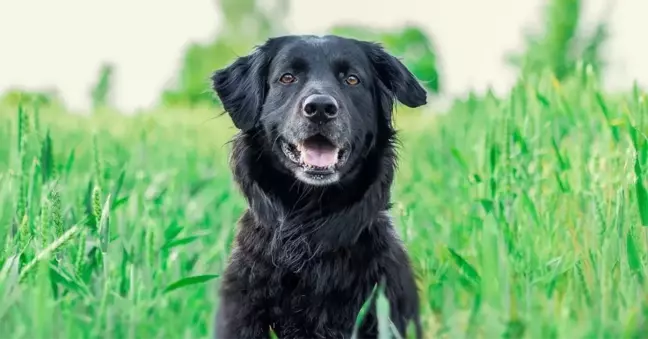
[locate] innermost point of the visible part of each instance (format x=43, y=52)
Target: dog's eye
x=352, y=80
x=287, y=78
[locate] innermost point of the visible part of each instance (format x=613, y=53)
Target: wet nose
x=320, y=108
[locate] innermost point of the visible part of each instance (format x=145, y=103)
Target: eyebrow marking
x=299, y=64
x=341, y=65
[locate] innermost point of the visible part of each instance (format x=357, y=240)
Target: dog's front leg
x=239, y=318
x=402, y=293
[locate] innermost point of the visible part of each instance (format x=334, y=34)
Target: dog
x=315, y=156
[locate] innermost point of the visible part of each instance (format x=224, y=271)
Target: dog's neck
x=307, y=221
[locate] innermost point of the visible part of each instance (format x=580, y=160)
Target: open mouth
x=315, y=154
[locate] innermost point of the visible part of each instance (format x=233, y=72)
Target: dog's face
x=319, y=102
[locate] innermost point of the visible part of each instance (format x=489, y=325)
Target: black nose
x=320, y=108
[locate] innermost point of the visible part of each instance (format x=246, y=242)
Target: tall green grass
x=525, y=217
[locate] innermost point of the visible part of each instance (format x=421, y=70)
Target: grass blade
x=184, y=282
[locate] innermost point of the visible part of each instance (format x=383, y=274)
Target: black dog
x=315, y=160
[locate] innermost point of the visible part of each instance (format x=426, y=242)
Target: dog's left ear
x=241, y=88
x=395, y=76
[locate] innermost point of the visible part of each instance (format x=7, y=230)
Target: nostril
x=330, y=110
x=310, y=109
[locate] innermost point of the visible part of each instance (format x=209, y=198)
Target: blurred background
x=150, y=52
x=524, y=207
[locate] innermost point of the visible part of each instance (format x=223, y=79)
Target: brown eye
x=287, y=78
x=352, y=80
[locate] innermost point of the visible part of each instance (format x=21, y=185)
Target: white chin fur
x=310, y=180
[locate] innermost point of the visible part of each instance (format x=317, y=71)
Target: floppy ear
x=241, y=88
x=396, y=77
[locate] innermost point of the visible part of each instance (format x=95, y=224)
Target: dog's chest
x=322, y=300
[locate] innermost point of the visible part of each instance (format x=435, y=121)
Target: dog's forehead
x=332, y=48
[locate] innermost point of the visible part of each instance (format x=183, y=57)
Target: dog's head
x=319, y=103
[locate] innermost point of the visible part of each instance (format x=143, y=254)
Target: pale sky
x=62, y=43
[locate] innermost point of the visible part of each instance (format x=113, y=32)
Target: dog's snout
x=320, y=108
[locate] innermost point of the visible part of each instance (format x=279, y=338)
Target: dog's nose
x=320, y=108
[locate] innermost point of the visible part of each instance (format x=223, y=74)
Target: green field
x=522, y=214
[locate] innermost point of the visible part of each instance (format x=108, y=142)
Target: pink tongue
x=319, y=156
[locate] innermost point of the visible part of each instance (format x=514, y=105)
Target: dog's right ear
x=241, y=88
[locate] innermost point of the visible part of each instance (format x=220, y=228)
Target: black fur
x=308, y=251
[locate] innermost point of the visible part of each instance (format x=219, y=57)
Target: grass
x=525, y=217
